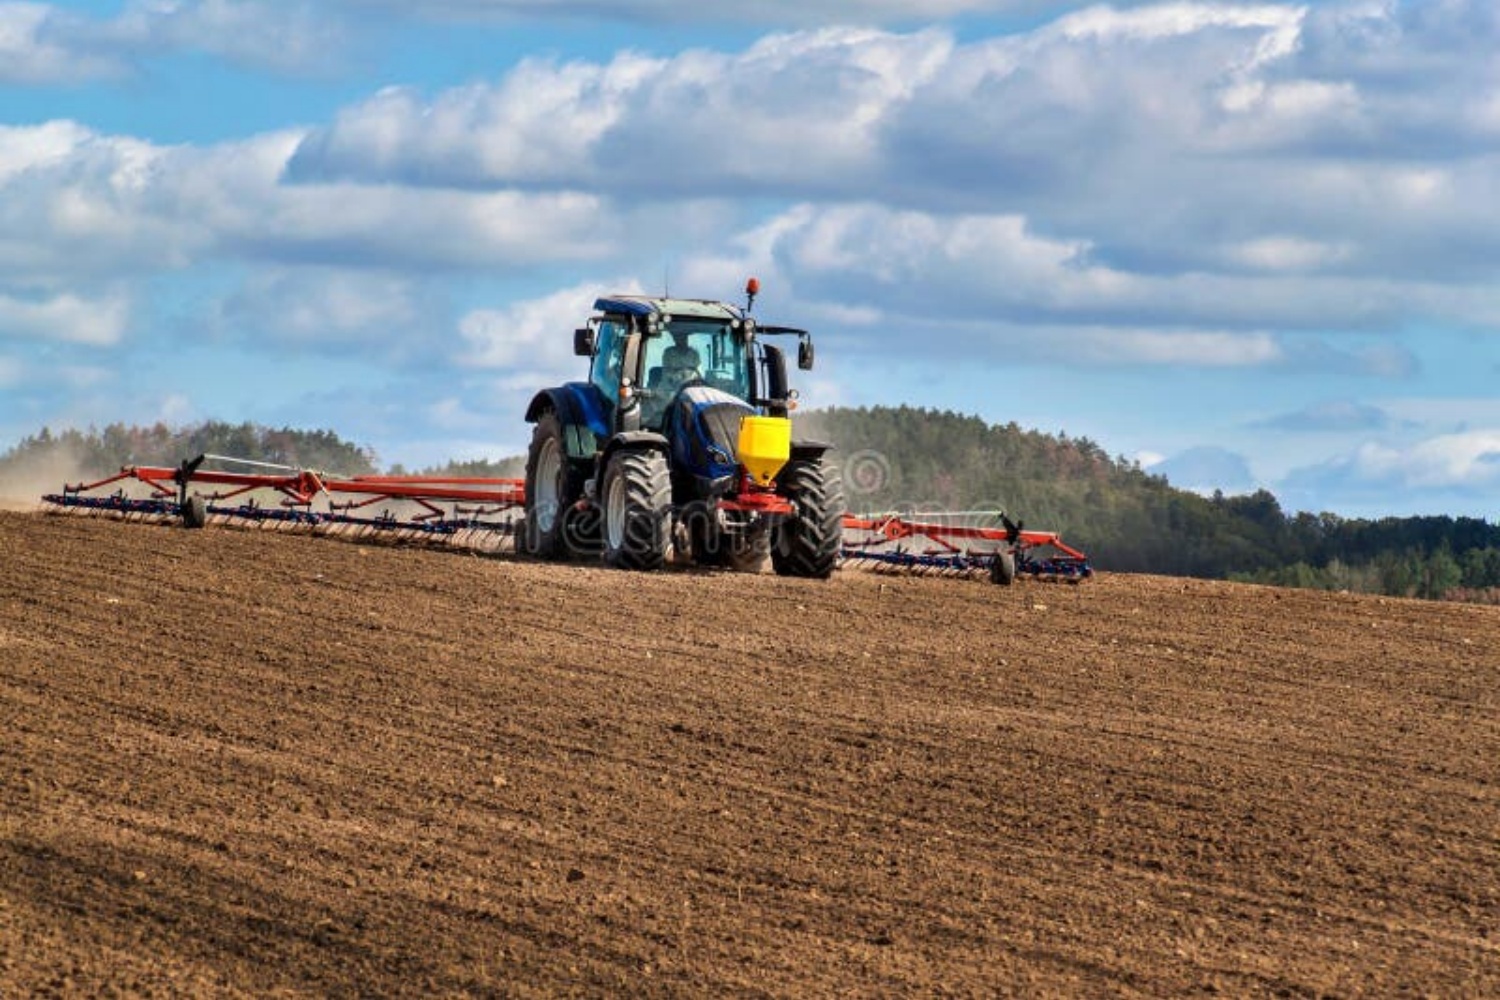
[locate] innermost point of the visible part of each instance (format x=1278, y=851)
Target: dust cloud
x=24, y=480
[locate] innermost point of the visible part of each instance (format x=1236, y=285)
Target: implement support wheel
x=1003, y=567
x=195, y=512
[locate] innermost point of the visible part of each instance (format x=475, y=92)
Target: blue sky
x=1245, y=244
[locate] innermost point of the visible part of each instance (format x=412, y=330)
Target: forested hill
x=95, y=453
x=44, y=460
x=1130, y=520
x=914, y=459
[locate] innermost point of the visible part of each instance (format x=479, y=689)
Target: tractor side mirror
x=805, y=354
x=583, y=342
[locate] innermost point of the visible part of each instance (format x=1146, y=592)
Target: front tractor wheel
x=637, y=510
x=552, y=488
x=807, y=541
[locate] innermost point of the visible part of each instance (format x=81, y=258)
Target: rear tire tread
x=807, y=542
x=532, y=540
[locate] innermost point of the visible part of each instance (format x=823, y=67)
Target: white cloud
x=1194, y=349
x=43, y=43
x=39, y=147
x=1179, y=138
x=325, y=308
x=533, y=340
x=1470, y=461
x=852, y=100
x=1288, y=253
x=1443, y=474
x=78, y=205
x=280, y=35
x=66, y=318
x=916, y=262
x=1336, y=416
x=798, y=110
x=354, y=224
x=477, y=133
x=1277, y=25
x=871, y=260
x=689, y=11
x=1451, y=414
x=31, y=54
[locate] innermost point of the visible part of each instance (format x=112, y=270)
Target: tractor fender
x=630, y=441
x=810, y=450
x=579, y=413
x=635, y=440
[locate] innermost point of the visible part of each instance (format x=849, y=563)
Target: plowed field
x=248, y=764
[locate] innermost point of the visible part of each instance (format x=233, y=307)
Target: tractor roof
x=640, y=305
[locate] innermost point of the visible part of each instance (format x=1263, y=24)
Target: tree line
x=95, y=453
x=1128, y=520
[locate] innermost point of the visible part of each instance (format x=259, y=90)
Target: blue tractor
x=679, y=446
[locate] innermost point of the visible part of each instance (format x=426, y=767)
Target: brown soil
x=242, y=763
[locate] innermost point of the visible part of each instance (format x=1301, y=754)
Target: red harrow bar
x=960, y=543
x=484, y=514
x=477, y=512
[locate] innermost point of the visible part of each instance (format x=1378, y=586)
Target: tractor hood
x=703, y=426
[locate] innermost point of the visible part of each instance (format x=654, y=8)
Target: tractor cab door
x=609, y=363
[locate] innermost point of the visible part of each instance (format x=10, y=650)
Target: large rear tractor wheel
x=637, y=510
x=552, y=488
x=807, y=541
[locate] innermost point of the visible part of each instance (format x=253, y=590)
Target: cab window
x=608, y=355
x=696, y=351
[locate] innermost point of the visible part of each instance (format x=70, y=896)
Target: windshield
x=691, y=350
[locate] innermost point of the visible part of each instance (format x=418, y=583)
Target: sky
x=1247, y=245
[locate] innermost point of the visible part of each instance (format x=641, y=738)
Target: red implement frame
x=302, y=488
x=476, y=511
x=940, y=543
x=895, y=528
x=481, y=512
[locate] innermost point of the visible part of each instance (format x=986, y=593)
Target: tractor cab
x=643, y=351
